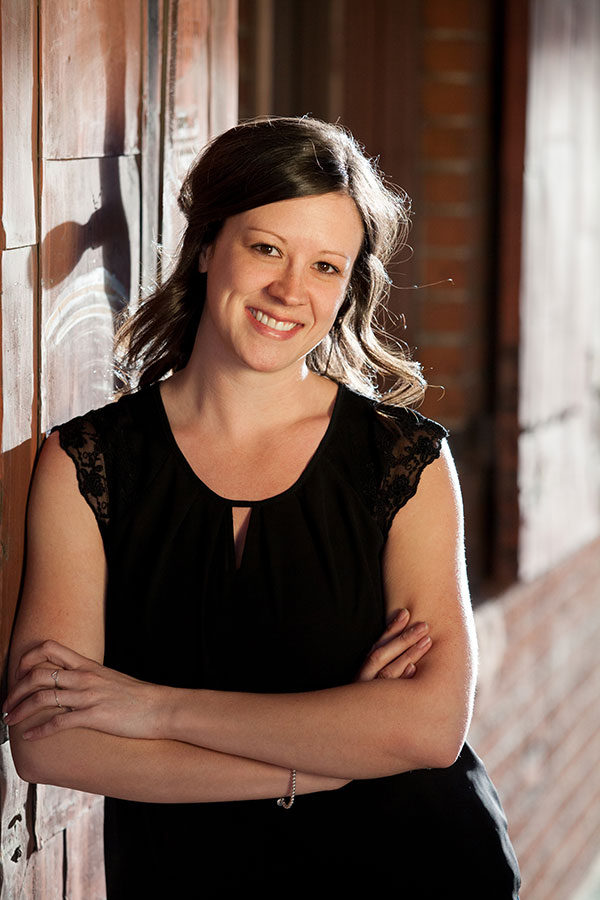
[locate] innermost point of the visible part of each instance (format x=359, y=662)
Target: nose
x=288, y=287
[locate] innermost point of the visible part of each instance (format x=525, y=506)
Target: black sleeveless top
x=299, y=614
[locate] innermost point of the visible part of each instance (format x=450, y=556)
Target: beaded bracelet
x=287, y=804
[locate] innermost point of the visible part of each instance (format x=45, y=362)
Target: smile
x=277, y=324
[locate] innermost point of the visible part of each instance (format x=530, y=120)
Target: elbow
x=28, y=760
x=24, y=767
x=434, y=747
x=446, y=739
x=445, y=754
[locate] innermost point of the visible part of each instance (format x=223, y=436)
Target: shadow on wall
x=83, y=298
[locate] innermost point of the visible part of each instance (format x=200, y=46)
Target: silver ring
x=58, y=703
x=55, y=675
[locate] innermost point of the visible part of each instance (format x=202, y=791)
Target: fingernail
x=410, y=671
x=6, y=717
x=26, y=736
x=423, y=642
x=402, y=615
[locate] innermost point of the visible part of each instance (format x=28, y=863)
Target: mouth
x=276, y=324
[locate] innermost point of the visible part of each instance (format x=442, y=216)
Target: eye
x=327, y=268
x=266, y=249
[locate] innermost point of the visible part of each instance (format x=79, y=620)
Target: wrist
x=165, y=710
x=182, y=715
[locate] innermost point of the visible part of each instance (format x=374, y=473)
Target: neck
x=238, y=401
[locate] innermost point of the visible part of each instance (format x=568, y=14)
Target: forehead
x=333, y=218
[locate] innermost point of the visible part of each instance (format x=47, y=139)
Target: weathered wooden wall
x=559, y=415
x=103, y=105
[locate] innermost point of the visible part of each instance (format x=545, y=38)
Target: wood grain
x=89, y=267
x=90, y=78
x=19, y=123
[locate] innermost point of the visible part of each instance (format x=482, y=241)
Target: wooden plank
x=151, y=137
x=15, y=820
x=223, y=43
x=19, y=425
x=90, y=77
x=187, y=106
x=19, y=123
x=560, y=338
x=89, y=268
x=85, y=856
x=18, y=368
x=44, y=876
x=56, y=807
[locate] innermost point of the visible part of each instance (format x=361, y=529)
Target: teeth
x=271, y=322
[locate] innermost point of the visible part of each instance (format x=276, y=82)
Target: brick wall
x=537, y=720
x=452, y=233
x=454, y=209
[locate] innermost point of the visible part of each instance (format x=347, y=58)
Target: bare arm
x=63, y=599
x=382, y=726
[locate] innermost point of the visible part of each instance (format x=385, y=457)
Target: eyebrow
x=283, y=241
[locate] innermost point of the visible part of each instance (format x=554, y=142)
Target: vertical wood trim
x=153, y=88
x=223, y=65
x=264, y=58
x=512, y=155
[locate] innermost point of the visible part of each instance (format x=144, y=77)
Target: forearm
x=157, y=771
x=363, y=730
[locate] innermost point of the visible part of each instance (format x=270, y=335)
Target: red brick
x=459, y=142
x=451, y=403
x=552, y=812
x=441, y=98
x=445, y=316
x=460, y=14
x=439, y=362
x=446, y=187
x=453, y=55
x=440, y=271
x=450, y=231
x=444, y=14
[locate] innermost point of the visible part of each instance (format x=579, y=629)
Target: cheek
x=226, y=279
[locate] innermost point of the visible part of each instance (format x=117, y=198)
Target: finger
x=41, y=678
x=59, y=722
x=397, y=624
x=35, y=680
x=43, y=700
x=52, y=652
x=383, y=654
x=404, y=665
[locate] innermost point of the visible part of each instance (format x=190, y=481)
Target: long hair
x=263, y=161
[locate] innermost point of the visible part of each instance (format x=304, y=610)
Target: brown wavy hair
x=263, y=161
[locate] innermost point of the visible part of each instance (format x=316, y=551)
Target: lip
x=271, y=331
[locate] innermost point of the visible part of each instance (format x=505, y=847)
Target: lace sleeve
x=80, y=440
x=408, y=442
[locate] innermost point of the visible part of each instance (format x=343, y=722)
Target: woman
x=245, y=646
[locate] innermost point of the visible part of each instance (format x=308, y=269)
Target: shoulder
x=390, y=447
x=103, y=445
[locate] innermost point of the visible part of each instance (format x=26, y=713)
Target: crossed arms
x=146, y=742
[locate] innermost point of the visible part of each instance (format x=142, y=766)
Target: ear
x=204, y=258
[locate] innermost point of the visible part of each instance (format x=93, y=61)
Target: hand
x=397, y=652
x=90, y=696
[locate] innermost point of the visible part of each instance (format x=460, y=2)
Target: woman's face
x=276, y=278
